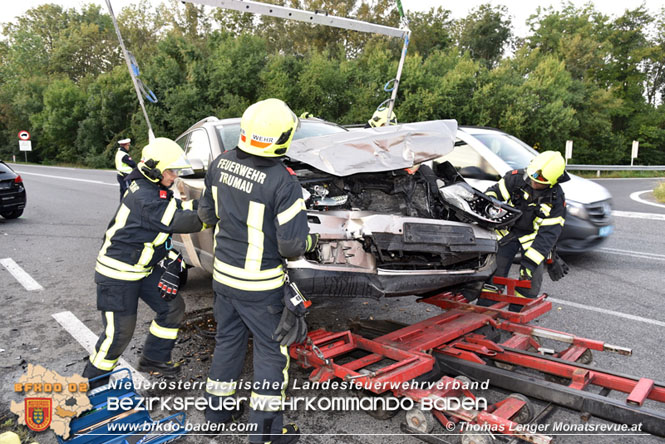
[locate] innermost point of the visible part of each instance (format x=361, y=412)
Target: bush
x=659, y=192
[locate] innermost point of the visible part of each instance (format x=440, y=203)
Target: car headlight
x=483, y=208
x=576, y=209
x=458, y=195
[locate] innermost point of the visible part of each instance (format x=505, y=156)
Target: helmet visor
x=538, y=177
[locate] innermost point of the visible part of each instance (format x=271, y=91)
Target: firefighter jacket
x=543, y=213
x=136, y=238
x=123, y=162
x=261, y=218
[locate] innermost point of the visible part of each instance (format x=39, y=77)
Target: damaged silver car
x=389, y=224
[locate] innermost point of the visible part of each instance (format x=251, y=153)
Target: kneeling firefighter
x=257, y=205
x=136, y=262
x=537, y=193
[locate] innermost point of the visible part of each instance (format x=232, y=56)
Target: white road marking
x=88, y=339
x=636, y=197
x=637, y=254
x=18, y=165
x=609, y=312
x=634, y=215
x=20, y=275
x=69, y=178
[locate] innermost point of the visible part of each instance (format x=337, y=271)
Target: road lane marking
x=637, y=254
x=88, y=339
x=20, y=275
x=609, y=312
x=635, y=215
x=636, y=197
x=69, y=178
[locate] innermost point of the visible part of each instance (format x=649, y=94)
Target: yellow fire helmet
x=380, y=118
x=159, y=155
x=547, y=167
x=267, y=128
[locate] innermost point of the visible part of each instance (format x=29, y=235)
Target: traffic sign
x=24, y=145
x=24, y=135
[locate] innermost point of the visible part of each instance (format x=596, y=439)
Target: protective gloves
x=292, y=327
x=526, y=270
x=311, y=242
x=168, y=284
x=557, y=268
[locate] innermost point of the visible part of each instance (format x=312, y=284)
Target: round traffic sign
x=24, y=135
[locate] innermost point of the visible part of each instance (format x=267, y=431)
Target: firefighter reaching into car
x=256, y=203
x=123, y=164
x=136, y=261
x=536, y=192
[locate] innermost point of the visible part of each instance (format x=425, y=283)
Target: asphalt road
x=614, y=294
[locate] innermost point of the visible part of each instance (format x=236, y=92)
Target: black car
x=12, y=193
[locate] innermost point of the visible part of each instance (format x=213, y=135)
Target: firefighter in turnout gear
x=136, y=262
x=123, y=164
x=537, y=193
x=257, y=205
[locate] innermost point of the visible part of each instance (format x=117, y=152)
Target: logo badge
x=38, y=413
x=163, y=194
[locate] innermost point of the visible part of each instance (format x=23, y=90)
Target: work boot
x=488, y=288
x=215, y=420
x=290, y=435
x=91, y=372
x=167, y=369
x=224, y=416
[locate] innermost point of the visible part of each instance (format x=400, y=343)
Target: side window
x=183, y=142
x=469, y=163
x=229, y=134
x=198, y=147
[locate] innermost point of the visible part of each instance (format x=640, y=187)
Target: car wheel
x=11, y=214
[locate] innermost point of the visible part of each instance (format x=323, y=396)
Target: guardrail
x=615, y=167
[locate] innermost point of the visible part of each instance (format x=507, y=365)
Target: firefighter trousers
x=118, y=302
x=122, y=181
x=237, y=314
x=504, y=259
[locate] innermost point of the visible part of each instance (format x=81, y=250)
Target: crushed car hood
x=376, y=149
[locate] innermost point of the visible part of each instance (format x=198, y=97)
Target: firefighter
x=257, y=205
x=380, y=118
x=537, y=193
x=136, y=261
x=123, y=164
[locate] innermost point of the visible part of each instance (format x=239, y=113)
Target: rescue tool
x=100, y=425
x=464, y=340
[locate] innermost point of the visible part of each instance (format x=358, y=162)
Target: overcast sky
x=519, y=9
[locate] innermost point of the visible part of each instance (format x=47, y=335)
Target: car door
x=197, y=147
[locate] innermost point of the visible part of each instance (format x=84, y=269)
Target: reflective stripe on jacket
x=261, y=217
x=543, y=214
x=135, y=239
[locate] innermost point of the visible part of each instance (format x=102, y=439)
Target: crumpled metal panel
x=376, y=149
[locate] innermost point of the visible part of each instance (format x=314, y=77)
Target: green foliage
x=659, y=192
x=485, y=32
x=579, y=75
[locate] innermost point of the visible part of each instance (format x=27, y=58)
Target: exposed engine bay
x=399, y=222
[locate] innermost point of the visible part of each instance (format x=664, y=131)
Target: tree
x=485, y=32
x=430, y=31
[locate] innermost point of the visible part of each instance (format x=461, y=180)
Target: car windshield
x=511, y=150
x=229, y=133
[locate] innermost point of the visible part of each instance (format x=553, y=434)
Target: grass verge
x=659, y=192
